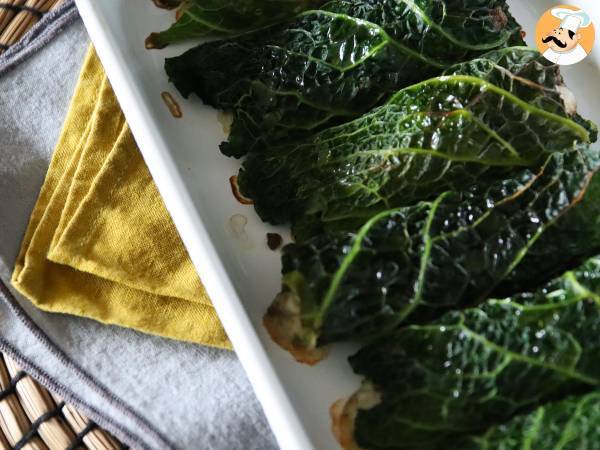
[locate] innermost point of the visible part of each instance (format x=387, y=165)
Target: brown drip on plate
x=172, y=105
x=167, y=4
x=274, y=241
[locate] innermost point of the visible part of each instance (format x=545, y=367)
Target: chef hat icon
x=572, y=20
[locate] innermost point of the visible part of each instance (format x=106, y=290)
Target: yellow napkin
x=100, y=243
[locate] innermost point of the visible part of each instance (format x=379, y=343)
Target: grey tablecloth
x=151, y=392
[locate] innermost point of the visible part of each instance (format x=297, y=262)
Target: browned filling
x=343, y=414
x=284, y=324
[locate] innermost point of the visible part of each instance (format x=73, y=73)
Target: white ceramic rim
x=280, y=413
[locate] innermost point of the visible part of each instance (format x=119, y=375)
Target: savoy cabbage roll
x=205, y=18
x=571, y=424
x=411, y=264
x=332, y=64
x=429, y=385
x=479, y=121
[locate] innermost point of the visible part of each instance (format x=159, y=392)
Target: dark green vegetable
x=411, y=264
x=333, y=64
x=572, y=424
x=566, y=244
x=444, y=133
x=477, y=368
x=201, y=18
x=526, y=72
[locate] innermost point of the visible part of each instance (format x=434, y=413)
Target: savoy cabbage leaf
x=571, y=424
x=410, y=264
x=202, y=18
x=440, y=134
x=476, y=368
x=330, y=65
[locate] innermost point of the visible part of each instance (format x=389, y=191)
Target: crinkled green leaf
x=478, y=367
x=333, y=64
x=411, y=264
x=572, y=424
x=444, y=133
x=202, y=18
x=528, y=71
x=566, y=243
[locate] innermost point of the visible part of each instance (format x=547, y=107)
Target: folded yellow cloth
x=100, y=243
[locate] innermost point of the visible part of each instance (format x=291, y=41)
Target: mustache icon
x=557, y=41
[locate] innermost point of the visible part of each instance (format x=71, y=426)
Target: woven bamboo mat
x=31, y=418
x=18, y=16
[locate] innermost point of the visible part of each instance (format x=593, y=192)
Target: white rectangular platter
x=242, y=276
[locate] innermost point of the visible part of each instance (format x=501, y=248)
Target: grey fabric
x=151, y=392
